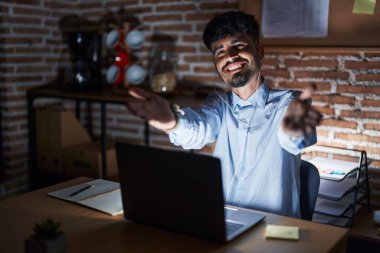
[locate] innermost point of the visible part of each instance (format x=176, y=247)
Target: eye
x=219, y=53
x=240, y=45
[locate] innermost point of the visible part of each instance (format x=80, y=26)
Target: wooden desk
x=91, y=231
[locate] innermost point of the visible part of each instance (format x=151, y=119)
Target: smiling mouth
x=234, y=67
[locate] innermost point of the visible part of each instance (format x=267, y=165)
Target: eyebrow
x=233, y=41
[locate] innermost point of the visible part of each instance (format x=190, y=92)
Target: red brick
x=331, y=144
x=322, y=74
x=183, y=68
x=168, y=17
x=33, y=69
x=7, y=69
x=172, y=28
x=372, y=54
x=357, y=137
x=21, y=20
x=321, y=86
x=360, y=114
x=362, y=65
x=270, y=62
x=193, y=38
x=311, y=63
x=339, y=123
x=370, y=150
x=224, y=6
x=371, y=103
x=30, y=2
x=204, y=69
x=371, y=126
x=325, y=110
x=346, y=158
x=92, y=13
x=94, y=4
x=201, y=27
x=159, y=1
x=200, y=16
x=176, y=8
x=21, y=59
x=368, y=77
x=16, y=79
x=375, y=163
x=30, y=11
x=28, y=49
x=199, y=58
x=59, y=5
x=30, y=30
x=331, y=53
x=322, y=133
x=163, y=38
x=4, y=9
x=275, y=73
x=203, y=79
x=120, y=3
x=21, y=40
x=358, y=89
x=334, y=99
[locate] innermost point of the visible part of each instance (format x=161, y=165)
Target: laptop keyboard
x=232, y=227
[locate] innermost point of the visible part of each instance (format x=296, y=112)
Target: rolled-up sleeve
x=198, y=127
x=295, y=144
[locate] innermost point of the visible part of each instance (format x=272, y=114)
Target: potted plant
x=46, y=238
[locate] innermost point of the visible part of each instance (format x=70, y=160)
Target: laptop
x=179, y=192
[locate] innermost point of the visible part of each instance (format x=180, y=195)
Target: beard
x=242, y=78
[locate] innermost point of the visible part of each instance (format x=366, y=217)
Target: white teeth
x=235, y=66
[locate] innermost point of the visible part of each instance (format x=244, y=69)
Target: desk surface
x=91, y=231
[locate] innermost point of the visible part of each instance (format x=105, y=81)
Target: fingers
x=308, y=91
x=139, y=93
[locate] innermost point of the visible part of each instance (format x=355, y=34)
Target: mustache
x=233, y=61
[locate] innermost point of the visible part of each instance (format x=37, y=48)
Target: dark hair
x=230, y=23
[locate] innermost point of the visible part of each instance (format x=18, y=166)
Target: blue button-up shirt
x=260, y=163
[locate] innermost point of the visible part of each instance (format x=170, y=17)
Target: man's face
x=236, y=59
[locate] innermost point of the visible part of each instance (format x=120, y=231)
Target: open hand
x=153, y=108
x=301, y=118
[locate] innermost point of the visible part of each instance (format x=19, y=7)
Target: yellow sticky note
x=282, y=232
x=364, y=7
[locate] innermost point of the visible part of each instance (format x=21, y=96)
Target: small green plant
x=46, y=230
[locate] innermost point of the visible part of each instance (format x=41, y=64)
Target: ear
x=260, y=50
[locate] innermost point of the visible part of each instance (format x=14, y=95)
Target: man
x=259, y=132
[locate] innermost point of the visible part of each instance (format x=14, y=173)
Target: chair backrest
x=310, y=181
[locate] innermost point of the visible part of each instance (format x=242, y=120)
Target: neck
x=251, y=87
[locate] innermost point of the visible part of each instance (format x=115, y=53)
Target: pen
x=79, y=191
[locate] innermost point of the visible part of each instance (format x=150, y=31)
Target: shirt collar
x=258, y=98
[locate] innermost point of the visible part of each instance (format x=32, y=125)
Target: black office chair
x=310, y=180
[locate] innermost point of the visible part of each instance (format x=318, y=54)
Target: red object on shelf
x=122, y=59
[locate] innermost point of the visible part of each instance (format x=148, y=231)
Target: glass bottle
x=163, y=74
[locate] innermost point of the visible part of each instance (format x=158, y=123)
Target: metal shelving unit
x=339, y=199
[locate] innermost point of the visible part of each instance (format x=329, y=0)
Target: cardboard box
x=56, y=129
x=86, y=160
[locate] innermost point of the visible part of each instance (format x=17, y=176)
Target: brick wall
x=30, y=50
x=347, y=80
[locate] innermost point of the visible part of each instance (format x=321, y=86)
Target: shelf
x=333, y=190
x=336, y=208
x=337, y=221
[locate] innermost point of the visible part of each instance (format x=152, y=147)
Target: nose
x=233, y=52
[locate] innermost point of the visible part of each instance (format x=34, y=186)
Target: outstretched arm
x=153, y=108
x=298, y=128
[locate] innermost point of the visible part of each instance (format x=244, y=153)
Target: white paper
x=295, y=18
x=104, y=196
x=333, y=169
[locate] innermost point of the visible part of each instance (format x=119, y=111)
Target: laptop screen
x=172, y=190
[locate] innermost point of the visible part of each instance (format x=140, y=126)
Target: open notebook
x=101, y=195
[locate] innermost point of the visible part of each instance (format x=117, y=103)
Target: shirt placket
x=245, y=115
